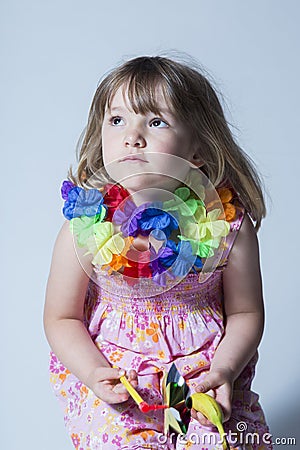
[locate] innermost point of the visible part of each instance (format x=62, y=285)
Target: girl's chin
x=146, y=181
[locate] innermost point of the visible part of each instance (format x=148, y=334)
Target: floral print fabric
x=183, y=324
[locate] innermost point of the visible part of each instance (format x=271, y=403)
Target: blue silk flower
x=157, y=221
x=181, y=259
x=82, y=203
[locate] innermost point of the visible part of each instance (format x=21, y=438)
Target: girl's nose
x=134, y=139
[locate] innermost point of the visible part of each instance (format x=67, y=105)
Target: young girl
x=158, y=263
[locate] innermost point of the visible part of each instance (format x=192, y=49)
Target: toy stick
x=143, y=406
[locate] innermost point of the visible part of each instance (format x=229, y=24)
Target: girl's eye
x=158, y=123
x=115, y=121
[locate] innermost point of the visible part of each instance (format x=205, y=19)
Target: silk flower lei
x=93, y=218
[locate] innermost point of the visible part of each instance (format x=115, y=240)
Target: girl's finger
x=114, y=398
x=132, y=375
x=198, y=416
x=108, y=394
x=120, y=389
x=193, y=413
x=210, y=382
x=109, y=373
x=203, y=420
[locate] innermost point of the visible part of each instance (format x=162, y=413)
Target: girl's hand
x=218, y=384
x=105, y=383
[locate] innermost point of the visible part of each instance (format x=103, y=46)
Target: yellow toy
x=178, y=403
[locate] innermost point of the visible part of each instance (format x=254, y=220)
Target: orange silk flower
x=226, y=196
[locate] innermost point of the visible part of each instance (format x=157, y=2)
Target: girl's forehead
x=154, y=101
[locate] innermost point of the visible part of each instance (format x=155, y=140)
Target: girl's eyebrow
x=164, y=111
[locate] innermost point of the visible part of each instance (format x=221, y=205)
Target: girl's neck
x=157, y=194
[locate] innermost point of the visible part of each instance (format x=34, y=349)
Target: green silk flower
x=203, y=249
x=184, y=203
x=83, y=227
x=103, y=244
x=206, y=233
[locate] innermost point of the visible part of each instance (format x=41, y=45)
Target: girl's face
x=142, y=151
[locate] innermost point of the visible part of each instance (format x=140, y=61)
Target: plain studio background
x=53, y=55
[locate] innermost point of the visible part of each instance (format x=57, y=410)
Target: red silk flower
x=113, y=198
x=139, y=266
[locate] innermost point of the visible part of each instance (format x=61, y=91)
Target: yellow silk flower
x=119, y=261
x=208, y=226
x=104, y=243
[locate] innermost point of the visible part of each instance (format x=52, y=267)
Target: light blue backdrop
x=53, y=54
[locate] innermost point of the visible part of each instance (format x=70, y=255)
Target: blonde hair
x=191, y=96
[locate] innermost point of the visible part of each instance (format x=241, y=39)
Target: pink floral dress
x=148, y=333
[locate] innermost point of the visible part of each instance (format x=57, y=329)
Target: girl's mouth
x=133, y=158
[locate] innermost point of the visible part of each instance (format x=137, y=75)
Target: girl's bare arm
x=244, y=316
x=63, y=320
x=243, y=302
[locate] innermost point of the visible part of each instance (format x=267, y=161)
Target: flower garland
x=190, y=232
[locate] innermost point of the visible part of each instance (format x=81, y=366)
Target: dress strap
x=235, y=226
